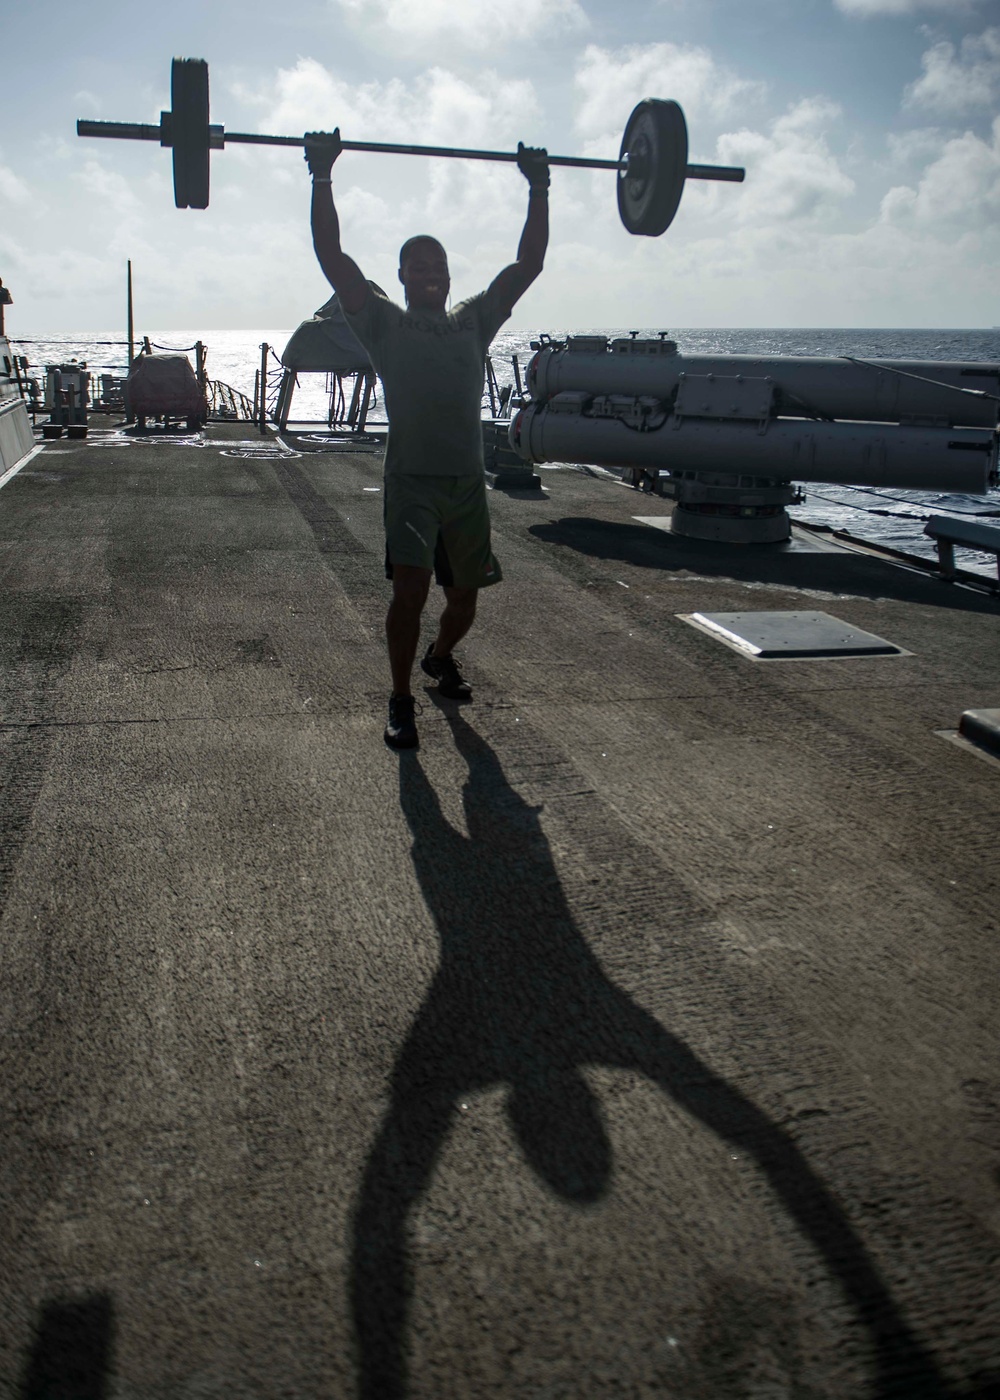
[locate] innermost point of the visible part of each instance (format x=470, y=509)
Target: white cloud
x=611, y=81
x=868, y=8
x=88, y=99
x=791, y=172
x=797, y=244
x=470, y=205
x=38, y=279
x=708, y=272
x=479, y=25
x=959, y=189
x=768, y=252
x=437, y=108
x=914, y=147
x=12, y=187
x=111, y=189
x=959, y=80
x=363, y=209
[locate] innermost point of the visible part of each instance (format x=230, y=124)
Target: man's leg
x=463, y=563
x=458, y=616
x=402, y=624
x=438, y=662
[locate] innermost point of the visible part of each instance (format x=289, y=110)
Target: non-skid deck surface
x=638, y=1036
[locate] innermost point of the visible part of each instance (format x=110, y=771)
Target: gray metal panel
x=724, y=396
x=16, y=437
x=794, y=634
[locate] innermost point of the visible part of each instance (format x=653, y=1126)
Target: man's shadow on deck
x=520, y=1001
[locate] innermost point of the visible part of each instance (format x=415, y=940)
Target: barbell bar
x=652, y=165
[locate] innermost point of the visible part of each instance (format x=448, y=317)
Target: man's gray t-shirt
x=431, y=364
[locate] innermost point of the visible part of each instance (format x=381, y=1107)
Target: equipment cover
x=326, y=342
x=164, y=384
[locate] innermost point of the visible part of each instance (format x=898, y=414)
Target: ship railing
x=502, y=399
x=227, y=403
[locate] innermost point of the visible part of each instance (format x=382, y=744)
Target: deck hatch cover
x=793, y=634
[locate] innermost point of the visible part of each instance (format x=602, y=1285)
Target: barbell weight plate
x=656, y=145
x=189, y=131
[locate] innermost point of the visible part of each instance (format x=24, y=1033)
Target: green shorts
x=440, y=523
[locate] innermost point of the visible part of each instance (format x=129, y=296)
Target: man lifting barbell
x=432, y=363
x=435, y=437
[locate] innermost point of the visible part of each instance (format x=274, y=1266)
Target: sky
x=869, y=130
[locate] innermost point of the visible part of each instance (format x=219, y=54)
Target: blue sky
x=869, y=130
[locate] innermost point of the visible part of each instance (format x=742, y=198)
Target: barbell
x=652, y=164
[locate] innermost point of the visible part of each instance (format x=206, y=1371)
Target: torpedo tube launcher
x=726, y=435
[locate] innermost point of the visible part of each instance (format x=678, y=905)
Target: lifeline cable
x=908, y=374
x=64, y=343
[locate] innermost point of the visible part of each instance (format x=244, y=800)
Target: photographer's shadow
x=519, y=1001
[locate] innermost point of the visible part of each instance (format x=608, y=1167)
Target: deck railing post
x=129, y=415
x=263, y=386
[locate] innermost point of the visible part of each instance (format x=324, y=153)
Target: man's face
x=425, y=278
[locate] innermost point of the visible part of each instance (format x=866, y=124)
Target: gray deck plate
x=982, y=727
x=792, y=634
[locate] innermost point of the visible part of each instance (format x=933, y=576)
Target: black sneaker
x=444, y=669
x=401, y=731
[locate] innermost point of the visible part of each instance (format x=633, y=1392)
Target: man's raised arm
x=342, y=272
x=514, y=281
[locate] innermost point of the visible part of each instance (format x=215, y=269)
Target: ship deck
x=638, y=1035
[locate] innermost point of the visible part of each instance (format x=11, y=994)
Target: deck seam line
x=15, y=725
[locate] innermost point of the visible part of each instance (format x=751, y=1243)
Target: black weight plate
x=656, y=144
x=189, y=129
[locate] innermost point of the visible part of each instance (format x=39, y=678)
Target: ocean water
x=890, y=517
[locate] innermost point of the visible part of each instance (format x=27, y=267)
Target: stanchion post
x=263, y=386
x=130, y=416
